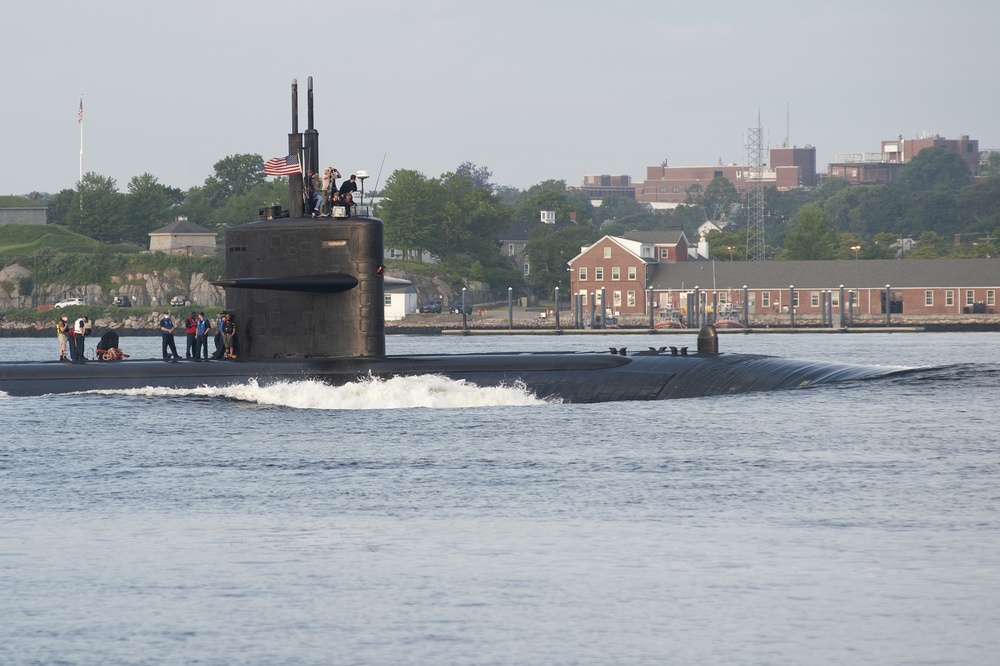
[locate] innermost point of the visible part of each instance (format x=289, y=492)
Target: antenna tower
x=755, y=193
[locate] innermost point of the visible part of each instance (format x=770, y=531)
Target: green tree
x=59, y=205
x=720, y=199
x=979, y=206
x=617, y=207
x=883, y=247
x=845, y=246
x=933, y=168
x=727, y=245
x=471, y=219
x=553, y=195
x=480, y=176
x=410, y=211
x=235, y=209
x=509, y=196
x=98, y=209
x=234, y=175
x=549, y=250
x=929, y=246
x=810, y=237
x=929, y=210
x=147, y=207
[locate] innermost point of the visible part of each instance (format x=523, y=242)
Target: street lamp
x=856, y=248
x=730, y=248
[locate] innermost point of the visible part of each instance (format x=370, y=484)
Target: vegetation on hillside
x=97, y=231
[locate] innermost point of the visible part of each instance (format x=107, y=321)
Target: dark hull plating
x=568, y=377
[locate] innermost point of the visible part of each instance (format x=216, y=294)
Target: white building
x=400, y=299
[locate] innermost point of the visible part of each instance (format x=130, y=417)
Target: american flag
x=79, y=114
x=282, y=166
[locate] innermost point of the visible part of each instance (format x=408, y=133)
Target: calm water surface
x=423, y=521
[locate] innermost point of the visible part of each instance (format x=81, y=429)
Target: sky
x=533, y=90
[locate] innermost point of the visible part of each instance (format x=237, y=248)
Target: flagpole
x=79, y=120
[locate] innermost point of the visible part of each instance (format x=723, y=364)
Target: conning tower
x=303, y=287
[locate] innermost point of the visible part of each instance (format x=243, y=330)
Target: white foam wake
x=432, y=391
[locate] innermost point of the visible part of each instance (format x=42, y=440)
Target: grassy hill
x=19, y=242
x=12, y=201
x=60, y=255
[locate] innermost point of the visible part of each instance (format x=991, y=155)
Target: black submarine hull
x=564, y=377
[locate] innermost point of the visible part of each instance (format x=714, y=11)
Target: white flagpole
x=79, y=120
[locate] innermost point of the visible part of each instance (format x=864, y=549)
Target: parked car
x=122, y=302
x=456, y=308
x=70, y=302
x=179, y=300
x=430, y=307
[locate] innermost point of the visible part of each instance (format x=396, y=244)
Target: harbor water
x=426, y=521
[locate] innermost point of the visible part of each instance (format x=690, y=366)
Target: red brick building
x=622, y=268
x=790, y=168
x=883, y=168
x=917, y=287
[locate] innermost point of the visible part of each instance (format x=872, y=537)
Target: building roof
x=852, y=273
x=398, y=286
x=659, y=237
x=182, y=227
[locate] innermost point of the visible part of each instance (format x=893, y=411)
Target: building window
x=616, y=273
x=949, y=297
x=583, y=272
x=970, y=297
x=991, y=297
x=854, y=299
x=607, y=253
x=631, y=273
x=630, y=295
x=510, y=250
x=616, y=298
x=527, y=269
x=583, y=296
x=676, y=189
x=929, y=297
x=795, y=300
x=765, y=299
x=723, y=297
x=663, y=190
x=599, y=273
x=835, y=298
x=387, y=300
x=664, y=253
x=814, y=299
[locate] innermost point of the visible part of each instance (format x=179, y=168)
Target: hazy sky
x=533, y=90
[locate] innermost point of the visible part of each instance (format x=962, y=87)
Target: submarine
x=307, y=296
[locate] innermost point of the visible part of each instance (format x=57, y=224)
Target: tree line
x=460, y=216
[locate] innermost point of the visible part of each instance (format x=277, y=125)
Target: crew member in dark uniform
x=167, y=333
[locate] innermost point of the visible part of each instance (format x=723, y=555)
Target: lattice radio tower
x=755, y=193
